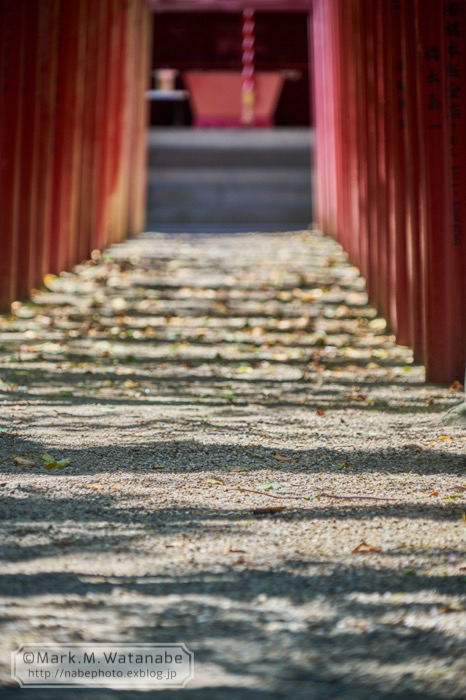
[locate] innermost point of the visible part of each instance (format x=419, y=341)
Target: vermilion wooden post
x=405, y=75
x=46, y=77
x=12, y=32
x=337, y=119
x=107, y=97
x=133, y=47
x=112, y=100
x=124, y=173
x=140, y=184
x=25, y=249
x=67, y=154
x=386, y=78
x=114, y=227
x=329, y=117
x=344, y=145
x=324, y=59
x=356, y=49
x=371, y=148
x=64, y=132
x=363, y=170
x=315, y=85
x=88, y=153
x=76, y=119
x=344, y=129
x=351, y=185
x=383, y=291
x=318, y=102
x=102, y=118
x=454, y=56
x=352, y=133
x=396, y=123
x=441, y=241
x=137, y=182
x=332, y=97
x=414, y=253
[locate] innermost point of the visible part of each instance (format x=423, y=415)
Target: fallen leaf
x=268, y=509
x=63, y=463
x=320, y=412
x=445, y=438
x=51, y=463
x=453, y=607
x=284, y=458
x=434, y=493
x=456, y=386
x=21, y=462
x=270, y=486
x=27, y=349
x=240, y=560
x=49, y=281
x=356, y=397
x=130, y=384
x=364, y=548
x=94, y=486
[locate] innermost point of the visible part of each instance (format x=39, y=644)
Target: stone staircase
x=223, y=180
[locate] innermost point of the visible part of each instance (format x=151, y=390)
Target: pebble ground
x=256, y=470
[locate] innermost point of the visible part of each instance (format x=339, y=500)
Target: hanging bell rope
x=247, y=75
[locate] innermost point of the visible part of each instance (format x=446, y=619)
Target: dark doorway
x=219, y=178
x=185, y=41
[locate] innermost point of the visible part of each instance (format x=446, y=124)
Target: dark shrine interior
x=212, y=41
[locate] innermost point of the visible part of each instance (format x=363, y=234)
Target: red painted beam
x=229, y=5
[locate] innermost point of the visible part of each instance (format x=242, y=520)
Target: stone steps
x=229, y=179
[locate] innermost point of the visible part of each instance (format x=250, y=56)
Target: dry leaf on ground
x=284, y=458
x=365, y=548
x=22, y=462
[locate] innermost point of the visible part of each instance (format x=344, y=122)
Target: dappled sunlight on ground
x=235, y=421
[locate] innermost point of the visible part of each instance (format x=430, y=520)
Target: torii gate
x=389, y=96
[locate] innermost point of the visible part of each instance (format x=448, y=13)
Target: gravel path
x=192, y=382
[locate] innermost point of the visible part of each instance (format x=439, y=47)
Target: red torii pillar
x=402, y=149
x=72, y=133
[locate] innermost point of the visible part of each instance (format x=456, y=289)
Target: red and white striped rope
x=247, y=75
